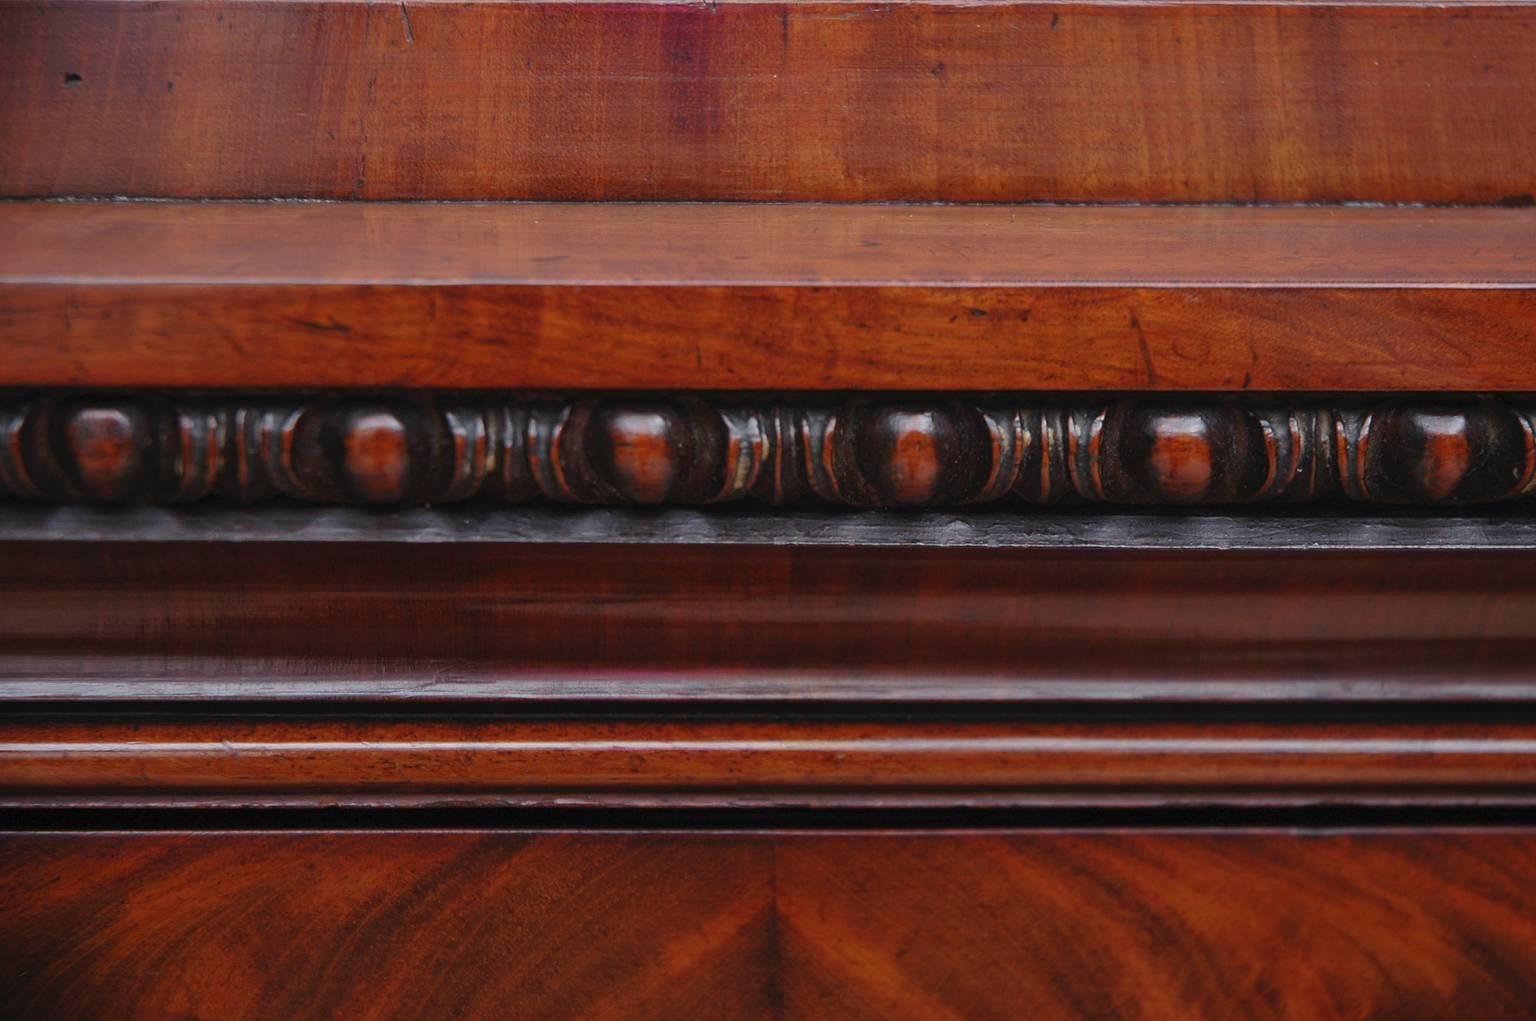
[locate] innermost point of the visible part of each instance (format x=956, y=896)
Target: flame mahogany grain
x=1078, y=926
x=923, y=355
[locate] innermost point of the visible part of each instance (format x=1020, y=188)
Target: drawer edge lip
x=1402, y=531
x=747, y=764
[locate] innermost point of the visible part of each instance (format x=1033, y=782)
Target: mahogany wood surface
x=1065, y=338
x=1078, y=926
x=675, y=243
x=1087, y=101
x=869, y=450
x=397, y=622
x=479, y=760
x=765, y=732
x=827, y=297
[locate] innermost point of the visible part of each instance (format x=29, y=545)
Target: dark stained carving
x=861, y=452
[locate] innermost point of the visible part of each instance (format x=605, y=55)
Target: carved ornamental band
x=865, y=451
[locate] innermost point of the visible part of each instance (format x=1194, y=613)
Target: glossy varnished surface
x=827, y=297
x=1086, y=926
x=761, y=243
x=668, y=621
x=1182, y=102
x=636, y=762
x=725, y=338
x=728, y=704
x=869, y=450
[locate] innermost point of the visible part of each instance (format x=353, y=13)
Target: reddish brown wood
x=658, y=244
x=524, y=620
x=865, y=451
x=605, y=670
x=1202, y=102
x=796, y=762
x=691, y=297
x=794, y=926
x=879, y=338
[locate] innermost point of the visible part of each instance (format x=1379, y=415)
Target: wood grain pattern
x=764, y=244
x=1181, y=102
x=396, y=623
x=244, y=763
x=686, y=297
x=869, y=451
x=1258, y=926
x=769, y=338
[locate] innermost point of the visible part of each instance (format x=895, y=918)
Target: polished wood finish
x=769, y=338
x=401, y=622
x=659, y=244
x=182, y=762
x=371, y=643
x=867, y=451
x=1087, y=101
x=1086, y=926
x=998, y=528
x=684, y=297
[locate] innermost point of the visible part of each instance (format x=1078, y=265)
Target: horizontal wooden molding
x=862, y=451
x=528, y=624
x=728, y=762
x=662, y=297
x=1278, y=528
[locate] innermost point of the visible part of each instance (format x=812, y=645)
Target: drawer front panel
x=1055, y=924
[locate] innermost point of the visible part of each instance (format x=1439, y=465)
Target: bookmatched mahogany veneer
x=795, y=925
x=767, y=510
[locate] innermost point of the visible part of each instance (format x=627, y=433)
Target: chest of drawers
x=767, y=510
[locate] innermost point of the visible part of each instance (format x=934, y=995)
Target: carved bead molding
x=865, y=451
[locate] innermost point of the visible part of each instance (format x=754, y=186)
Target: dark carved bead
x=78, y=450
x=106, y=450
x=376, y=455
x=864, y=452
x=1439, y=454
x=638, y=452
x=1156, y=453
x=909, y=455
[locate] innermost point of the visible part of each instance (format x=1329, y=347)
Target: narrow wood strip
x=682, y=297
x=696, y=623
x=1089, y=101
x=864, y=451
x=547, y=524
x=767, y=763
x=761, y=244
x=832, y=338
